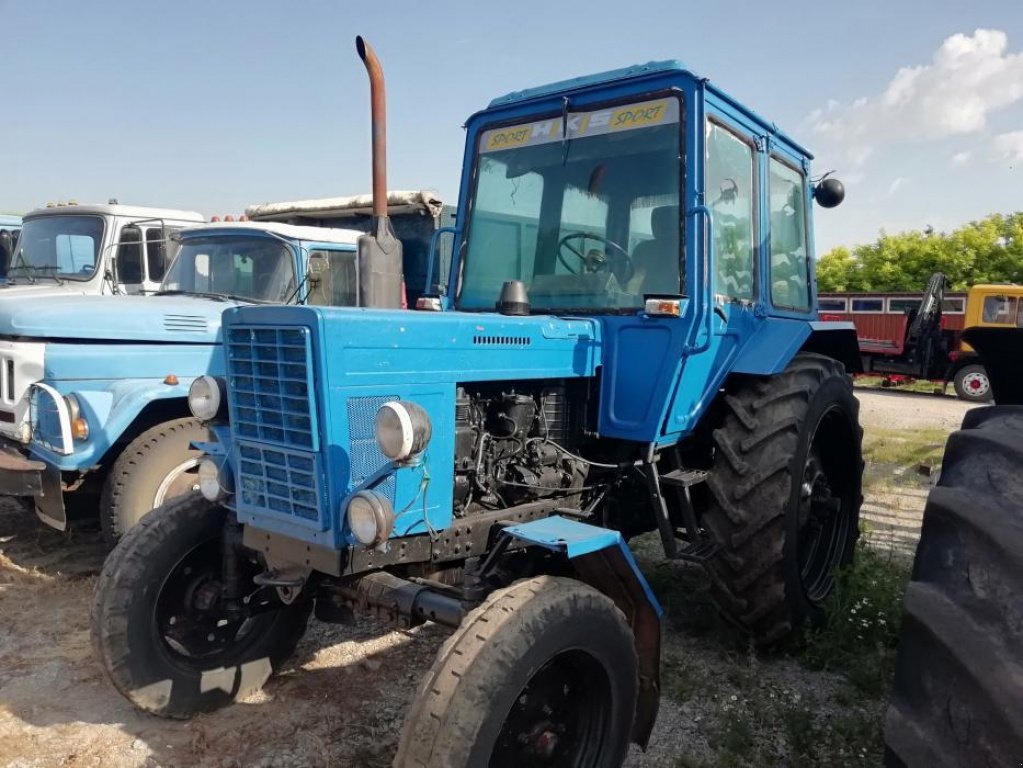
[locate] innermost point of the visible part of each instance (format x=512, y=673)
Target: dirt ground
x=342, y=699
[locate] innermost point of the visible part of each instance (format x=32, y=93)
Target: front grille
x=364, y=452
x=271, y=386
x=283, y=482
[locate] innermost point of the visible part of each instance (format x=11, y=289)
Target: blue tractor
x=628, y=343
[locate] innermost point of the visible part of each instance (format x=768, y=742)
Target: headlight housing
x=370, y=518
x=205, y=398
x=79, y=426
x=403, y=430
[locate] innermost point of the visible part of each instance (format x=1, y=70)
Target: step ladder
x=700, y=548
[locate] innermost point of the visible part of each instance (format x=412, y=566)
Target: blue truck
x=628, y=343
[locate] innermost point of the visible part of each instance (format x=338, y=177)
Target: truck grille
x=272, y=404
x=271, y=386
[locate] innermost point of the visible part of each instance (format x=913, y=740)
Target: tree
x=985, y=251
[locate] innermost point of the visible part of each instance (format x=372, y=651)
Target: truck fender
x=602, y=559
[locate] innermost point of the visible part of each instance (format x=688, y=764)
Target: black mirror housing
x=829, y=193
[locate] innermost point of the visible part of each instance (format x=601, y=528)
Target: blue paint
x=575, y=539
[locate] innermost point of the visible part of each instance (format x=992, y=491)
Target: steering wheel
x=620, y=265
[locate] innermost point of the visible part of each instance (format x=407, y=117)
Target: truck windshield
x=57, y=248
x=249, y=268
x=590, y=223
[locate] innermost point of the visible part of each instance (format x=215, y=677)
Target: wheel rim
x=560, y=718
x=825, y=508
x=189, y=616
x=178, y=481
x=976, y=384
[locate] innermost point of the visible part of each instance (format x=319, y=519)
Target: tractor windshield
x=249, y=268
x=590, y=223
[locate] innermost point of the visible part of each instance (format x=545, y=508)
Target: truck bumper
x=25, y=477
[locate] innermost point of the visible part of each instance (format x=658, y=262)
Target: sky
x=917, y=105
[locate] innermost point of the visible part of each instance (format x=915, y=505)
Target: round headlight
x=370, y=518
x=403, y=430
x=204, y=398
x=214, y=480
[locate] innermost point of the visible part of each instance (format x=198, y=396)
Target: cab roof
x=636, y=71
x=108, y=209
x=290, y=231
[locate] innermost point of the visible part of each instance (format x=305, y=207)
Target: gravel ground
x=342, y=700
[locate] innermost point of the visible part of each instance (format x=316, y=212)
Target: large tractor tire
x=543, y=673
x=972, y=384
x=157, y=466
x=785, y=495
x=159, y=628
x=957, y=698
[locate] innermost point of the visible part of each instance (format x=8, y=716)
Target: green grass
x=864, y=616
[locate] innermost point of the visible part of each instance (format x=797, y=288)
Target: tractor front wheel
x=785, y=494
x=544, y=673
x=161, y=627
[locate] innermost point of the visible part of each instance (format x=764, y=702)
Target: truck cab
x=85, y=377
x=96, y=250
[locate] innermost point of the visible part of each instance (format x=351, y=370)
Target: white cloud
x=961, y=158
x=896, y=185
x=969, y=77
x=1009, y=146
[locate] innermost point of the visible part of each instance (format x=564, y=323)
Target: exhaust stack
x=379, y=252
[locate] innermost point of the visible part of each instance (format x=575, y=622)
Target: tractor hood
x=158, y=319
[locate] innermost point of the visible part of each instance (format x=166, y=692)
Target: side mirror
x=316, y=267
x=829, y=193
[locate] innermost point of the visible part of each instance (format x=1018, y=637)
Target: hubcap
x=178, y=481
x=976, y=384
x=560, y=718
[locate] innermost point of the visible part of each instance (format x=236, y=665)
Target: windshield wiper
x=211, y=295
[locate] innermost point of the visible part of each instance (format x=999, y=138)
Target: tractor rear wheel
x=785, y=494
x=160, y=628
x=543, y=673
x=958, y=690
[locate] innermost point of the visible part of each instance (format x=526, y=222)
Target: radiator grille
x=271, y=392
x=282, y=482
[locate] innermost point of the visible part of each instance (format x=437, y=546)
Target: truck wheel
x=958, y=689
x=157, y=466
x=971, y=383
x=785, y=494
x=159, y=628
x=543, y=673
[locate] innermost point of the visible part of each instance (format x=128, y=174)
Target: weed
x=864, y=615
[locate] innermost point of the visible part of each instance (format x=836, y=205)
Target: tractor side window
x=729, y=187
x=504, y=227
x=1000, y=310
x=129, y=256
x=790, y=274
x=332, y=279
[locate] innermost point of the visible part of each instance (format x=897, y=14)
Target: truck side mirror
x=316, y=266
x=829, y=193
x=439, y=265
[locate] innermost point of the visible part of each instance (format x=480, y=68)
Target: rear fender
x=602, y=559
x=837, y=341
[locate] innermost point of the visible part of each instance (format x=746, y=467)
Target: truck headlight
x=370, y=518
x=403, y=430
x=204, y=398
x=215, y=482
x=79, y=426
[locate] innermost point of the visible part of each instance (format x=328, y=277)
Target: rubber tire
x=123, y=640
x=130, y=488
x=761, y=447
x=957, y=697
x=962, y=393
x=481, y=669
